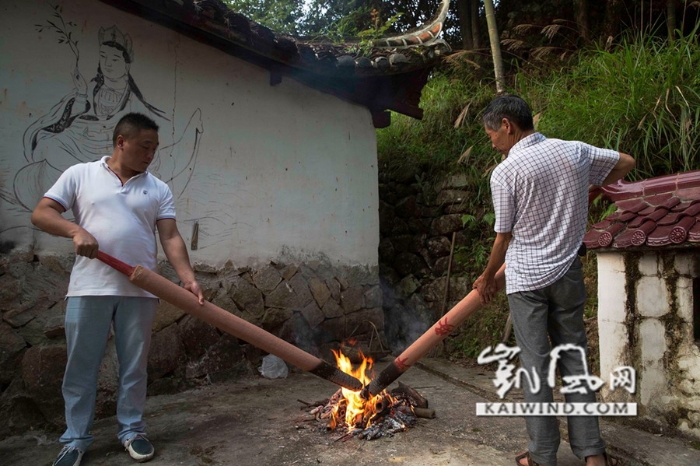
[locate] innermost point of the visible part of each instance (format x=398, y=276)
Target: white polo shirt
x=540, y=195
x=122, y=217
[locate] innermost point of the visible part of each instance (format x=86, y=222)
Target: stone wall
x=313, y=305
x=417, y=220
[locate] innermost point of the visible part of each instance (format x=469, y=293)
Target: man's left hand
x=486, y=286
x=194, y=288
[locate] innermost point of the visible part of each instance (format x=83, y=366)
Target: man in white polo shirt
x=540, y=197
x=118, y=206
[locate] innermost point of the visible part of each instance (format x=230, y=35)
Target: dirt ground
x=258, y=421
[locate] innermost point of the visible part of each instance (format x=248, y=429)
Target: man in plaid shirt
x=540, y=197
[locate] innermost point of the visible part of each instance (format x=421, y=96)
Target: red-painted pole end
x=115, y=263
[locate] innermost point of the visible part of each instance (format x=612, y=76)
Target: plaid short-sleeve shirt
x=540, y=195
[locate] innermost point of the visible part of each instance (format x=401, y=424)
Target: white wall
x=662, y=348
x=280, y=172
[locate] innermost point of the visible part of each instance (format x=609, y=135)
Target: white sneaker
x=139, y=448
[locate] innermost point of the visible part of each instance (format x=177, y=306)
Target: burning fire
x=359, y=412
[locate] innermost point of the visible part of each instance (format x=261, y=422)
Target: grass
x=641, y=97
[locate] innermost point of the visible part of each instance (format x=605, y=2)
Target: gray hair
x=511, y=107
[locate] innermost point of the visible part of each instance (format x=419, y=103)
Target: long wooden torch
x=434, y=335
x=229, y=323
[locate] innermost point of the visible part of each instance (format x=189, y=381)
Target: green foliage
x=433, y=144
x=364, y=24
x=282, y=16
x=642, y=98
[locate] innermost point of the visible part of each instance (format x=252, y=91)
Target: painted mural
x=78, y=126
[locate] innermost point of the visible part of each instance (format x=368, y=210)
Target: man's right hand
x=85, y=244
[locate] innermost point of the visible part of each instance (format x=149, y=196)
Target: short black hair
x=511, y=107
x=131, y=124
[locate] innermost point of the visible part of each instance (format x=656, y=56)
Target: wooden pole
x=229, y=323
x=435, y=334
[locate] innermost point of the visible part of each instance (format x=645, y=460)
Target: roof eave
x=395, y=89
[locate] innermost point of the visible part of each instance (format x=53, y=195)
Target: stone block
x=418, y=225
x=613, y=340
x=441, y=265
x=652, y=297
x=166, y=315
x=650, y=265
x=434, y=290
x=42, y=371
x=319, y=290
x=292, y=294
x=9, y=293
x=612, y=293
x=361, y=275
x=687, y=264
x=652, y=385
x=222, y=355
x=446, y=224
x=373, y=297
x=386, y=250
x=407, y=207
x=313, y=314
x=166, y=354
x=224, y=301
x=352, y=299
x=461, y=208
x=332, y=310
x=274, y=317
x=334, y=329
x=456, y=181
x=247, y=297
x=27, y=311
x=402, y=243
x=438, y=246
x=196, y=336
x=54, y=327
x=289, y=271
x=407, y=263
x=344, y=283
x=298, y=332
x=407, y=286
x=11, y=347
x=459, y=288
x=688, y=362
x=451, y=196
x=652, y=377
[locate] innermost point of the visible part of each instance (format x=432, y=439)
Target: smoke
x=405, y=319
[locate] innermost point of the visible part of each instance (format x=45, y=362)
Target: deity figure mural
x=79, y=127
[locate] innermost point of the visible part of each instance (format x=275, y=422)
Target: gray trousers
x=543, y=319
x=88, y=322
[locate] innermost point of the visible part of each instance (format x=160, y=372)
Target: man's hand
x=194, y=288
x=486, y=286
x=85, y=244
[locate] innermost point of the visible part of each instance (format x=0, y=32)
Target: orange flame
x=358, y=411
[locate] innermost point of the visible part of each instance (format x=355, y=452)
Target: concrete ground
x=257, y=421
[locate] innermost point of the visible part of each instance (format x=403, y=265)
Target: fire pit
x=347, y=414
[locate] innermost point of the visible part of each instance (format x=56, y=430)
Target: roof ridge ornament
x=424, y=35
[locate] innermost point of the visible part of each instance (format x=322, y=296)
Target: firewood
x=418, y=400
x=424, y=413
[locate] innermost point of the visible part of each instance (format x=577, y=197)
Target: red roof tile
x=656, y=212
